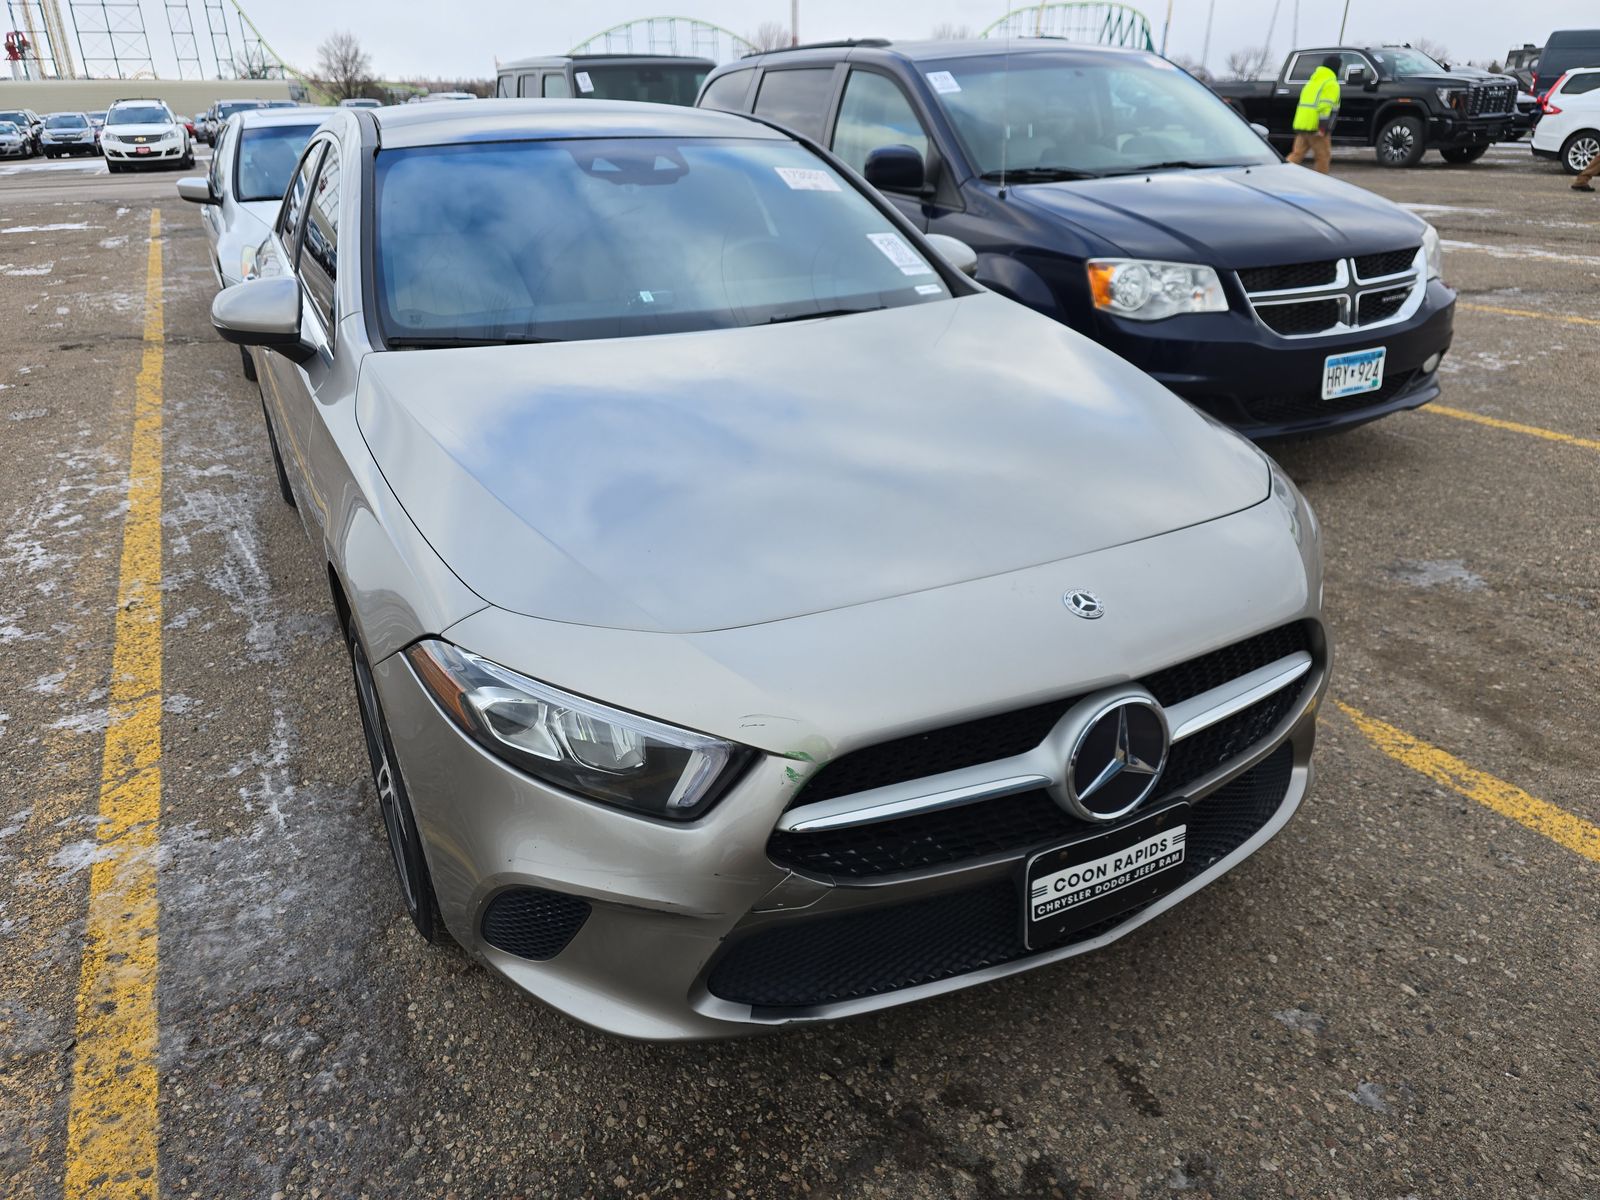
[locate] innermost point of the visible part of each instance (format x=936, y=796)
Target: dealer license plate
x=1104, y=874
x=1353, y=373
x=141, y=149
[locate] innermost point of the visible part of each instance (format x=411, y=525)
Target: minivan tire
x=1401, y=142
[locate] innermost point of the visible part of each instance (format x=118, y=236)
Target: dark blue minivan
x=1111, y=190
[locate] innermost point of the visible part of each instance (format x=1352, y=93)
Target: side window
x=294, y=204
x=502, y=87
x=528, y=85
x=1347, y=61
x=223, y=147
x=556, y=86
x=875, y=112
x=796, y=98
x=1302, y=66
x=727, y=92
x=1577, y=85
x=319, y=262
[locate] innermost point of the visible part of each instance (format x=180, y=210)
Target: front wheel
x=1401, y=142
x=1463, y=154
x=1580, y=150
x=405, y=843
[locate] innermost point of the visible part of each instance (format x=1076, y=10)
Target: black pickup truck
x=1395, y=99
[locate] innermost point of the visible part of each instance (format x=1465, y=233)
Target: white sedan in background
x=1569, y=130
x=255, y=156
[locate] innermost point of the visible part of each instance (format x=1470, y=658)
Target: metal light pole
x=794, y=22
x=1342, y=21
x=1205, y=49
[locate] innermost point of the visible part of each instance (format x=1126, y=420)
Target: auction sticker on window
x=943, y=82
x=807, y=179
x=1104, y=874
x=900, y=254
x=585, y=84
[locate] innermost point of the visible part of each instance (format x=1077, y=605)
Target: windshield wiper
x=428, y=342
x=1038, y=174
x=827, y=312
x=1178, y=164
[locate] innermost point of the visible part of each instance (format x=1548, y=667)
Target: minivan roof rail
x=844, y=44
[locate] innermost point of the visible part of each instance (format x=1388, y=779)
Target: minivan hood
x=702, y=481
x=1229, y=217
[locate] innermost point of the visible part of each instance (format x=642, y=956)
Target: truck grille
x=1009, y=825
x=1492, y=100
x=1312, y=299
x=829, y=960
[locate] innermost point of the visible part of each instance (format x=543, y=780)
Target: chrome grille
x=1492, y=100
x=1349, y=293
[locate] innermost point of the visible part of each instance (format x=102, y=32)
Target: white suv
x=1569, y=130
x=144, y=132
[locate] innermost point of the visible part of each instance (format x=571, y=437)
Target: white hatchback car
x=1569, y=130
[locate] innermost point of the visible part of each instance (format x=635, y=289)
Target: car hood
x=705, y=481
x=160, y=129
x=1229, y=217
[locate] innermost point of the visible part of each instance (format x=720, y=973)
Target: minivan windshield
x=138, y=114
x=66, y=121
x=620, y=237
x=226, y=109
x=655, y=84
x=1080, y=116
x=267, y=158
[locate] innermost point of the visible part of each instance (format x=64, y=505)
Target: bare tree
x=253, y=63
x=1193, y=66
x=770, y=35
x=1248, y=63
x=344, y=67
x=1433, y=49
x=948, y=32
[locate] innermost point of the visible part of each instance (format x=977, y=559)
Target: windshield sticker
x=900, y=254
x=807, y=179
x=929, y=289
x=943, y=82
x=648, y=297
x=585, y=84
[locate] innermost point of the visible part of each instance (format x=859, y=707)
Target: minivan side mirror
x=955, y=252
x=262, y=312
x=197, y=190
x=895, y=169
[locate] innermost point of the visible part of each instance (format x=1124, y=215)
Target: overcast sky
x=461, y=38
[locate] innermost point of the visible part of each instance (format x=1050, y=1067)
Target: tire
x=186, y=163
x=114, y=167
x=284, y=489
x=1463, y=154
x=1578, y=151
x=1401, y=142
x=249, y=365
x=394, y=805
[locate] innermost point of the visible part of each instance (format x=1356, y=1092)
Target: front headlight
x=247, y=262
x=1433, y=251
x=1448, y=96
x=1151, y=291
x=580, y=745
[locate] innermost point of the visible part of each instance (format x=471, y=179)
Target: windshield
x=8, y=129
x=66, y=121
x=570, y=240
x=224, y=111
x=139, y=114
x=98, y=117
x=16, y=118
x=1072, y=115
x=1403, y=62
x=267, y=158
x=658, y=85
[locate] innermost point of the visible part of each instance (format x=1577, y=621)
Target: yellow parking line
x=1557, y=824
x=1561, y=318
x=1550, y=435
x=111, y=1124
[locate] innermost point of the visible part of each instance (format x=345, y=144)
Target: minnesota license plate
x=1099, y=876
x=1353, y=373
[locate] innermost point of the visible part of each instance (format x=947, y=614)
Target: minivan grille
x=1308, y=299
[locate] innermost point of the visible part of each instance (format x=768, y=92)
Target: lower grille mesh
x=804, y=963
x=532, y=923
x=1308, y=406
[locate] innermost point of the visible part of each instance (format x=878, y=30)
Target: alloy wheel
x=384, y=776
x=1582, y=152
x=1398, y=143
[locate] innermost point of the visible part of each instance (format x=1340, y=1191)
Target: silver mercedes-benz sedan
x=755, y=621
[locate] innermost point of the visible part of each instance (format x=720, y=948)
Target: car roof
x=924, y=51
x=256, y=118
x=521, y=120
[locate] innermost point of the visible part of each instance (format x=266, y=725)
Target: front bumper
x=88, y=147
x=1453, y=131
x=1266, y=386
x=130, y=154
x=655, y=926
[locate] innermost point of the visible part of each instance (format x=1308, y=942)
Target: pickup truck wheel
x=1580, y=150
x=1463, y=154
x=1401, y=143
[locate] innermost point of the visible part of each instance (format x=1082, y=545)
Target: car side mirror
x=197, y=190
x=262, y=312
x=955, y=252
x=1262, y=131
x=895, y=169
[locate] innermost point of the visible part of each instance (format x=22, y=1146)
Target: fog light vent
x=533, y=923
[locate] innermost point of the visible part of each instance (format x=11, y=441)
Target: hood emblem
x=1084, y=604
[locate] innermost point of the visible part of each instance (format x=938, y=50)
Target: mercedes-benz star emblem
x=1117, y=758
x=1084, y=604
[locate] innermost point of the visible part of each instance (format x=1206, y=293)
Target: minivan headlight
x=1433, y=251
x=1150, y=291
x=580, y=745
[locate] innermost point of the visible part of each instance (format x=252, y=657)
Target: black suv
x=1131, y=204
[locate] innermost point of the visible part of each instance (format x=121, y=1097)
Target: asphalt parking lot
x=1392, y=999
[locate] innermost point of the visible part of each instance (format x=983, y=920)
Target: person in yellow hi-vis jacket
x=1313, y=116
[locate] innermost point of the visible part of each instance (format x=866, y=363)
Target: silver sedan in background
x=753, y=620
